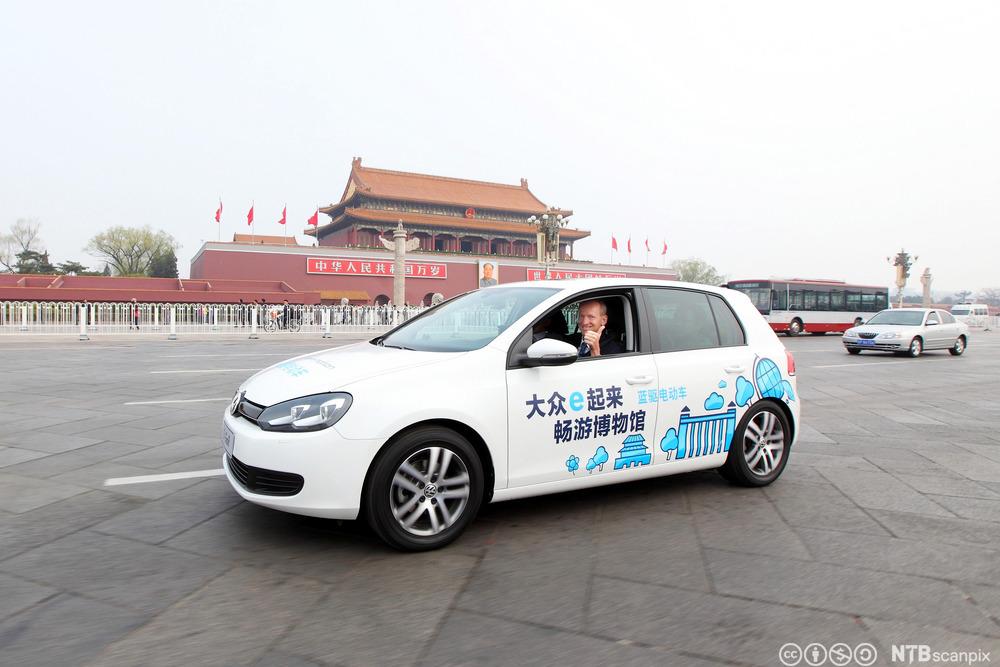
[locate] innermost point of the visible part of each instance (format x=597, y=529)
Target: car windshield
x=904, y=318
x=468, y=322
x=959, y=311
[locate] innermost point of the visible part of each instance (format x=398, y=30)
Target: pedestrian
x=135, y=314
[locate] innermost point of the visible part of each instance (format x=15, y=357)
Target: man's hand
x=593, y=339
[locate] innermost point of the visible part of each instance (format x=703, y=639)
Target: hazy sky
x=794, y=139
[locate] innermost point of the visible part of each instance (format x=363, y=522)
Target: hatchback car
x=514, y=391
x=908, y=331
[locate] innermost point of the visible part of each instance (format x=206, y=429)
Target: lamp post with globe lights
x=902, y=262
x=548, y=226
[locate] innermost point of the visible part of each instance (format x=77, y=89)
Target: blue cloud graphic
x=714, y=402
x=591, y=465
x=787, y=386
x=744, y=391
x=722, y=384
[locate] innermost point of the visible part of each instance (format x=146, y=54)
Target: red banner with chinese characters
x=350, y=266
x=539, y=274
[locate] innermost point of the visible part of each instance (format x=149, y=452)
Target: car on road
x=908, y=331
x=513, y=391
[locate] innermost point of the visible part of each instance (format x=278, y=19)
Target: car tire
x=751, y=460
x=405, y=487
x=853, y=350
x=795, y=327
x=958, y=348
x=916, y=347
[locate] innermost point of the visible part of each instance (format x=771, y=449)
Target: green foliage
x=76, y=268
x=694, y=270
x=130, y=251
x=30, y=261
x=164, y=265
x=23, y=235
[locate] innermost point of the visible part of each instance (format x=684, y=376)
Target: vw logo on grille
x=235, y=407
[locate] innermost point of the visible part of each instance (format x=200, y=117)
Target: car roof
x=581, y=284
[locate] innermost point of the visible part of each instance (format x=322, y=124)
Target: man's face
x=487, y=271
x=591, y=318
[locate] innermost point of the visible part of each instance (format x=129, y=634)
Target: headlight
x=850, y=333
x=309, y=413
x=889, y=334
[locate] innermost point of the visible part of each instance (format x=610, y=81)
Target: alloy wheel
x=763, y=443
x=429, y=491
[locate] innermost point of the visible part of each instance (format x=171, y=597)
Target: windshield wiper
x=398, y=347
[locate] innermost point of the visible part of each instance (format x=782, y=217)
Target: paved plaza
x=884, y=529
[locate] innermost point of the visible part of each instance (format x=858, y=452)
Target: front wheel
x=424, y=490
x=853, y=350
x=958, y=348
x=916, y=347
x=294, y=326
x=270, y=326
x=759, y=450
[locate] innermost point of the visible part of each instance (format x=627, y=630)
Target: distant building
x=461, y=225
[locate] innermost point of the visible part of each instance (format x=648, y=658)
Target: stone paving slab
x=883, y=529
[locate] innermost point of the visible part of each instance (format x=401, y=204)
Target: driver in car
x=594, y=339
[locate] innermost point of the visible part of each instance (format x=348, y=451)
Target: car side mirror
x=550, y=352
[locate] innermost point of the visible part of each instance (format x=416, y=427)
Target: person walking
x=136, y=312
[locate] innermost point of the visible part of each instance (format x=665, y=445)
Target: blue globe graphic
x=768, y=379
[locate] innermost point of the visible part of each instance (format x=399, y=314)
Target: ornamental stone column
x=400, y=246
x=925, y=280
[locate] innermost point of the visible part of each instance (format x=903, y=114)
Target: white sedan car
x=908, y=331
x=514, y=391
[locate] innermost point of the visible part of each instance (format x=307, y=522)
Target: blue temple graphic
x=634, y=453
x=700, y=435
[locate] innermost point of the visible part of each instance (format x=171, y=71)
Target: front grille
x=264, y=482
x=249, y=411
x=867, y=335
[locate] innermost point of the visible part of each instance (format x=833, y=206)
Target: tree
x=75, y=268
x=695, y=270
x=130, y=251
x=164, y=265
x=30, y=261
x=962, y=296
x=990, y=296
x=23, y=236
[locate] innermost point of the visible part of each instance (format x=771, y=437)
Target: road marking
x=186, y=400
x=209, y=370
x=166, y=477
x=865, y=363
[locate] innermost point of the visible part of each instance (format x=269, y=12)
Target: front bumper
x=890, y=345
x=332, y=469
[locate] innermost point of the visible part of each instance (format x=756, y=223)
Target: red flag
x=630, y=245
x=614, y=242
x=250, y=216
x=314, y=219
x=647, y=244
x=218, y=212
x=284, y=211
x=664, y=248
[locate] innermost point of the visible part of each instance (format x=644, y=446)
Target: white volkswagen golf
x=513, y=391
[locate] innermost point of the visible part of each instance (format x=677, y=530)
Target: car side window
x=947, y=318
x=730, y=331
x=932, y=318
x=684, y=320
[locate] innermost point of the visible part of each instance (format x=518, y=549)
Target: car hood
x=331, y=370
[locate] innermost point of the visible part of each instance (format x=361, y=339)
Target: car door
x=583, y=421
x=935, y=334
x=706, y=376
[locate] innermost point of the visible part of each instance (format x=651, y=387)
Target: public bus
x=813, y=306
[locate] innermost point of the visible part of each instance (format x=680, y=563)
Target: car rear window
x=684, y=320
x=730, y=331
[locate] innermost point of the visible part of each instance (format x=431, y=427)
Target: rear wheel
x=424, y=490
x=795, y=327
x=959, y=347
x=294, y=326
x=759, y=450
x=916, y=347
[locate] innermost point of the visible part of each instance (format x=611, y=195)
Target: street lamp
x=548, y=238
x=902, y=262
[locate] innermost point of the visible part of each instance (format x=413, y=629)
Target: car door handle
x=733, y=370
x=640, y=379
